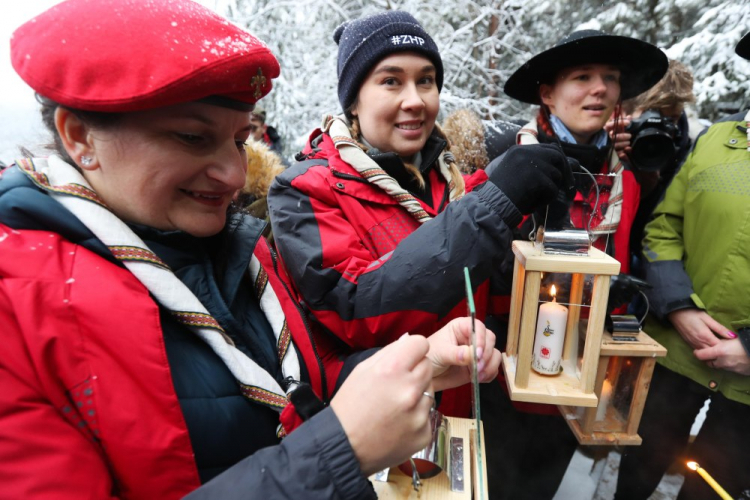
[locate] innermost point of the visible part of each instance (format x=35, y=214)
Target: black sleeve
x=351, y=362
x=365, y=300
x=315, y=462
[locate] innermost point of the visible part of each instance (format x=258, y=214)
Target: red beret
x=129, y=55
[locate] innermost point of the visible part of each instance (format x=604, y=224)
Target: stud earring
x=86, y=161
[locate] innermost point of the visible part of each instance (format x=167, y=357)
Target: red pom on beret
x=129, y=55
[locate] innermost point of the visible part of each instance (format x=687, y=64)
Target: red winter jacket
x=88, y=408
x=368, y=271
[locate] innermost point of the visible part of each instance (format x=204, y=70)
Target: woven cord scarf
x=611, y=218
x=351, y=152
x=68, y=187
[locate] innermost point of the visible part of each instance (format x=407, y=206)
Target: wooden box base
x=560, y=389
x=599, y=438
x=399, y=484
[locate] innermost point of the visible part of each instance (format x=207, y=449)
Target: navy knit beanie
x=364, y=42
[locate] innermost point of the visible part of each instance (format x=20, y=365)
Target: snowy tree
x=482, y=42
x=473, y=39
x=722, y=79
x=701, y=34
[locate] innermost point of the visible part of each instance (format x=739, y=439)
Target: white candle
x=550, y=336
x=604, y=400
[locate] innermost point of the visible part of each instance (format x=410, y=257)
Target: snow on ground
x=588, y=478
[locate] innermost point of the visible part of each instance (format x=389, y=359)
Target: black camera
x=653, y=142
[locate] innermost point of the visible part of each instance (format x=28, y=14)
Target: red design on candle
x=545, y=352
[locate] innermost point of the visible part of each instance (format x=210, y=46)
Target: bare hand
x=699, y=329
x=450, y=353
x=620, y=138
x=726, y=355
x=382, y=406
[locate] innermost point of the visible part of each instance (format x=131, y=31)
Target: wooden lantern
x=574, y=385
x=622, y=381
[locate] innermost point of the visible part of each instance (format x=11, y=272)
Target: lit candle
x=550, y=336
x=604, y=400
x=711, y=481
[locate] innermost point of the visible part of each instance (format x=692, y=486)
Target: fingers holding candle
x=451, y=356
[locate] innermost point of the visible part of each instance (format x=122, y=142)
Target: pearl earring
x=86, y=161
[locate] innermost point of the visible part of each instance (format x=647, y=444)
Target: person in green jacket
x=697, y=248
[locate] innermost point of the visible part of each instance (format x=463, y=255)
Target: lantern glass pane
x=616, y=395
x=625, y=387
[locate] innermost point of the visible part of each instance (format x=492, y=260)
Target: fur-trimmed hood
x=263, y=165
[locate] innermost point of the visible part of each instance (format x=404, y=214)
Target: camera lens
x=652, y=150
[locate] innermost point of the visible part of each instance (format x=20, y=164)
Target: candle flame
x=553, y=291
x=693, y=465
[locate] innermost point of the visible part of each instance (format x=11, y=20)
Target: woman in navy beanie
x=376, y=223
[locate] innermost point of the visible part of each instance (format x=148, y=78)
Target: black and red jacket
x=367, y=271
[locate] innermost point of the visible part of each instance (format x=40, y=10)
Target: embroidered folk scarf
x=351, y=152
x=611, y=218
x=69, y=188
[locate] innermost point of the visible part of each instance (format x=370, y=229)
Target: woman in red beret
x=150, y=344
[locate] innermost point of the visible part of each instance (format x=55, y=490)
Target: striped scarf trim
x=611, y=219
x=68, y=187
x=351, y=152
x=135, y=254
x=73, y=189
x=269, y=304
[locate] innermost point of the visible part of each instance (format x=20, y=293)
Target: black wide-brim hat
x=743, y=47
x=641, y=64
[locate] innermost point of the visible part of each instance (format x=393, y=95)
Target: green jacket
x=698, y=250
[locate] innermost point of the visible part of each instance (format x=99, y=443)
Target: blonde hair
x=675, y=87
x=466, y=130
x=456, y=178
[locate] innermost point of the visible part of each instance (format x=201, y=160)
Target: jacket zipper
x=351, y=177
x=323, y=377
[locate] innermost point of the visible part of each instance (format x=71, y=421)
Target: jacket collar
x=232, y=249
x=591, y=157
x=24, y=206
x=394, y=165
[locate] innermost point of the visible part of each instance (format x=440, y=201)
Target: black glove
x=623, y=288
x=531, y=175
x=556, y=215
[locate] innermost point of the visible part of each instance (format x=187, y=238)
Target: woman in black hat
x=376, y=224
x=578, y=84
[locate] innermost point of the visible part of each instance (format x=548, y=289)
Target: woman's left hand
x=726, y=355
x=450, y=353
